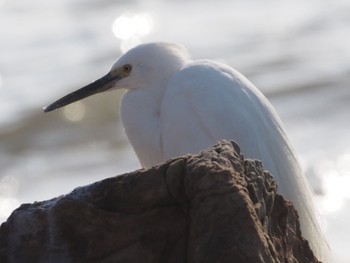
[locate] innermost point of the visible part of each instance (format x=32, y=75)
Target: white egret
x=174, y=105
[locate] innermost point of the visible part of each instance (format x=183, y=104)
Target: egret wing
x=207, y=101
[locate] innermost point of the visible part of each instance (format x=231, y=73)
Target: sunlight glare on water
x=130, y=28
x=336, y=183
x=9, y=187
x=7, y=205
x=74, y=112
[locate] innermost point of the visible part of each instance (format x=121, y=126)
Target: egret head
x=147, y=65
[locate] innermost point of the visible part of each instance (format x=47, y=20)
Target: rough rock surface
x=210, y=207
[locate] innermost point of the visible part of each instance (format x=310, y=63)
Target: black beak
x=100, y=85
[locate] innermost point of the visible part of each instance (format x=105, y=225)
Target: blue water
x=297, y=53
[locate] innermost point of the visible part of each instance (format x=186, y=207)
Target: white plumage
x=174, y=106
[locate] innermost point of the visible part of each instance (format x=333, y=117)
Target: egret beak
x=100, y=85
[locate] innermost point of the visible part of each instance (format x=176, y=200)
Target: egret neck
x=140, y=112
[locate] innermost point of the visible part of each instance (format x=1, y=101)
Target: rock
x=210, y=207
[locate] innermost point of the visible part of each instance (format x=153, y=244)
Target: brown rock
x=210, y=207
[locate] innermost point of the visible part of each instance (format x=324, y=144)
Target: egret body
x=174, y=105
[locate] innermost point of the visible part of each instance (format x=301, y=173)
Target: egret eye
x=127, y=68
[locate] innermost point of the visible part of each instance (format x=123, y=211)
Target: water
x=296, y=52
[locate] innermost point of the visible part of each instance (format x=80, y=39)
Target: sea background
x=296, y=52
